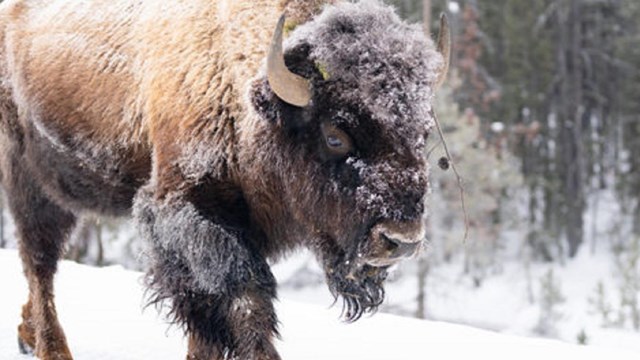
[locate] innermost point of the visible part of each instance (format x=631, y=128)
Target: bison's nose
x=399, y=247
x=391, y=242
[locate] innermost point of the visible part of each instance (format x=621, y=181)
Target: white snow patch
x=497, y=127
x=101, y=310
x=454, y=7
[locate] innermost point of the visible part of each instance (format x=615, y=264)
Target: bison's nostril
x=399, y=248
x=390, y=244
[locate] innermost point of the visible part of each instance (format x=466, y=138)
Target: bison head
x=337, y=149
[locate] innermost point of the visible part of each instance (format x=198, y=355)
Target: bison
x=229, y=149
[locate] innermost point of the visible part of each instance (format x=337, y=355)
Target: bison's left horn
x=289, y=87
x=444, y=48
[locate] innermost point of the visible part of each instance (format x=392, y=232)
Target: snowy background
x=102, y=312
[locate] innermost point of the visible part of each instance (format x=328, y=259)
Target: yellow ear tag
x=289, y=26
x=323, y=71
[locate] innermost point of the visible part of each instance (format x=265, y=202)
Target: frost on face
x=386, y=70
x=390, y=66
x=383, y=182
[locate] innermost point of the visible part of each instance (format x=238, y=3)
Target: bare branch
x=458, y=177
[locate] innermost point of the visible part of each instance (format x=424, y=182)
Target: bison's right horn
x=289, y=87
x=444, y=48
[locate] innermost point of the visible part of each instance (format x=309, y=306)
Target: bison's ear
x=271, y=108
x=263, y=100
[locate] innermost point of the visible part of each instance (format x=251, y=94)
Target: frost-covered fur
x=387, y=69
x=185, y=234
x=379, y=75
x=164, y=107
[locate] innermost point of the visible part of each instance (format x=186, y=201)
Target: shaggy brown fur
x=163, y=107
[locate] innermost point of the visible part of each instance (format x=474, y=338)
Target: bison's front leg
x=219, y=287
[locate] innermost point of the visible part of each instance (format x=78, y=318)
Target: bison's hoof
x=24, y=348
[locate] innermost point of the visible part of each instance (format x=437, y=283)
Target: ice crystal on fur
x=161, y=107
x=387, y=69
x=389, y=66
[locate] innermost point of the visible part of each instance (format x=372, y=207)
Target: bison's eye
x=338, y=143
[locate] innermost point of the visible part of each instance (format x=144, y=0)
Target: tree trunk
x=100, y=256
x=570, y=107
x=423, y=262
x=575, y=182
x=79, y=242
x=423, y=272
x=2, y=241
x=426, y=16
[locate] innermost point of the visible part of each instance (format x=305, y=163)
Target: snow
x=100, y=309
x=454, y=7
x=497, y=127
x=508, y=300
x=102, y=313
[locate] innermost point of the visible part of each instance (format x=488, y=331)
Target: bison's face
x=343, y=145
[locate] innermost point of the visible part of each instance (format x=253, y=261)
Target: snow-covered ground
x=101, y=310
x=508, y=301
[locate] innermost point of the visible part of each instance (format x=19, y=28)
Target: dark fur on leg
x=217, y=286
x=220, y=328
x=42, y=228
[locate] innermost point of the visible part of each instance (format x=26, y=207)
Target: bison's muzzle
x=391, y=243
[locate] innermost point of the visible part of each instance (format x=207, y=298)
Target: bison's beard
x=359, y=287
